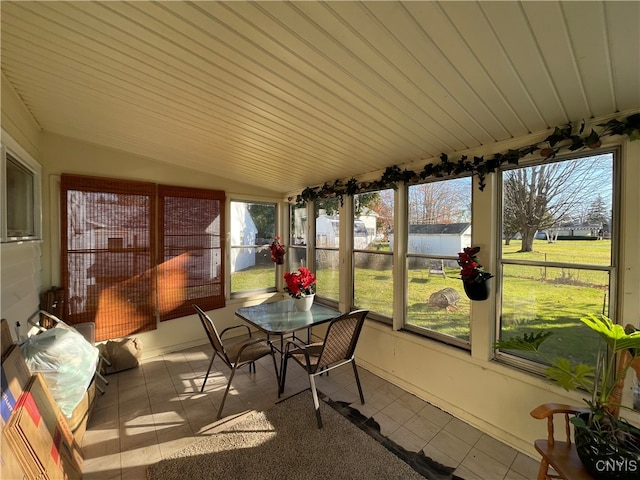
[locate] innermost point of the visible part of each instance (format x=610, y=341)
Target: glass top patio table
x=280, y=318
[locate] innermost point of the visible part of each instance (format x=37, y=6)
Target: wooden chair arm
x=548, y=409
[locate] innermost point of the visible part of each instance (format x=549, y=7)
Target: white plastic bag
x=66, y=360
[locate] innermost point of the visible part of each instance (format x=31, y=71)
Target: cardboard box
x=14, y=376
x=6, y=340
x=40, y=436
x=10, y=468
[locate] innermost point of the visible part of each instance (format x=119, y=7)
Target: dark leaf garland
x=561, y=138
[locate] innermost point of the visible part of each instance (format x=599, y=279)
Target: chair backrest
x=212, y=334
x=341, y=338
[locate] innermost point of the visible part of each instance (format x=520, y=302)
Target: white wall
x=20, y=263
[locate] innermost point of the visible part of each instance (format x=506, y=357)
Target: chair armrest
x=295, y=343
x=234, y=327
x=548, y=409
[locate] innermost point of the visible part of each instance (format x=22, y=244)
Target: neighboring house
x=445, y=239
x=328, y=232
x=370, y=220
x=243, y=232
x=573, y=232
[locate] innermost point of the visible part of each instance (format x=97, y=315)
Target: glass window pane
x=328, y=273
x=436, y=298
x=253, y=227
x=439, y=226
x=20, y=199
x=298, y=226
x=373, y=220
x=327, y=253
x=373, y=282
x=373, y=271
x=440, y=217
x=557, y=214
x=546, y=206
x=539, y=298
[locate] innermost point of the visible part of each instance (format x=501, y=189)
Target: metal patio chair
x=236, y=352
x=335, y=350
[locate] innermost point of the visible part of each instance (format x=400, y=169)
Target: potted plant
x=601, y=435
x=474, y=279
x=301, y=285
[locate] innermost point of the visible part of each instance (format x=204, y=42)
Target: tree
x=598, y=213
x=264, y=216
x=537, y=197
x=439, y=202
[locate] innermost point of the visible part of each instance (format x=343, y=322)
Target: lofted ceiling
x=290, y=94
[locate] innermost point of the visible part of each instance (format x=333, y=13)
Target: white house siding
x=20, y=280
x=446, y=245
x=243, y=232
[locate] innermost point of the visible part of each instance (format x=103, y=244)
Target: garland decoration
x=565, y=137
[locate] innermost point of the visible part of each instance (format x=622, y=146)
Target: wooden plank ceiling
x=286, y=95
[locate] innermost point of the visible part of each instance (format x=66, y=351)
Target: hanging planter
x=474, y=279
x=277, y=251
x=477, y=290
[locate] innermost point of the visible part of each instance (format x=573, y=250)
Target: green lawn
x=534, y=298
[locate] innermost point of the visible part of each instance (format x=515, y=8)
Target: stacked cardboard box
x=40, y=437
x=37, y=442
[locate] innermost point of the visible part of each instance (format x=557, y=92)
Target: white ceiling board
x=345, y=88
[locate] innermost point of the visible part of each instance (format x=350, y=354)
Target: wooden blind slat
x=191, y=245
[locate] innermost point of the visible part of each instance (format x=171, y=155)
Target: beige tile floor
x=152, y=411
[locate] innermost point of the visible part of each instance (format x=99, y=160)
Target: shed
x=328, y=233
x=446, y=239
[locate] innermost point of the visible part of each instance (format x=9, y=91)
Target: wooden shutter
x=107, y=254
x=191, y=267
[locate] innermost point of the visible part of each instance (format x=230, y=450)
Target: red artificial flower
x=277, y=251
x=471, y=270
x=300, y=283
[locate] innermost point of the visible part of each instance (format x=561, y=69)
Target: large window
x=253, y=228
x=557, y=259
x=439, y=226
x=110, y=234
x=372, y=256
x=327, y=247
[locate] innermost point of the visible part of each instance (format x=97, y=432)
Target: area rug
x=284, y=442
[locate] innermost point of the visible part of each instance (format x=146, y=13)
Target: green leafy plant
x=603, y=382
x=600, y=381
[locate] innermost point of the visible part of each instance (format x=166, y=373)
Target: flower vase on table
x=303, y=304
x=301, y=285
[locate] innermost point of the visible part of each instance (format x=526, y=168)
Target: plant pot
x=477, y=290
x=304, y=304
x=603, y=459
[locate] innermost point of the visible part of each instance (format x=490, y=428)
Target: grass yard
x=533, y=298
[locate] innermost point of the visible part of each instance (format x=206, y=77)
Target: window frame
x=373, y=315
x=537, y=367
x=10, y=148
x=426, y=332
x=261, y=290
